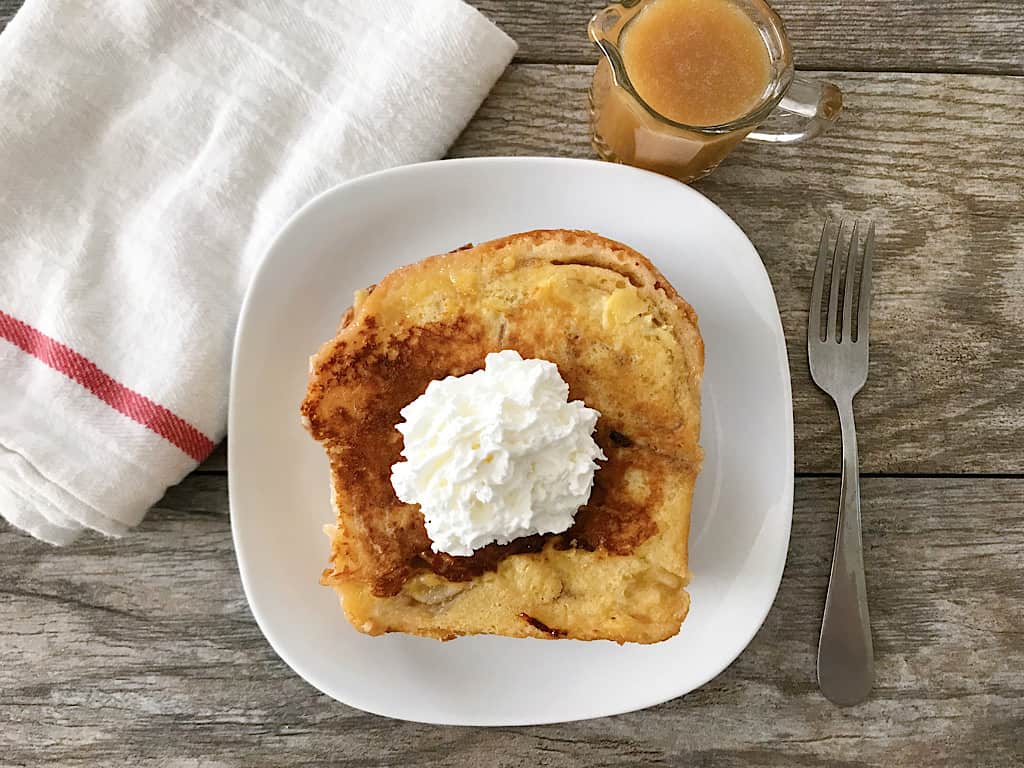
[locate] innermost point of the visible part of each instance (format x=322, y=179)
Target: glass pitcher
x=625, y=129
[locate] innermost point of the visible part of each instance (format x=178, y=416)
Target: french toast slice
x=627, y=345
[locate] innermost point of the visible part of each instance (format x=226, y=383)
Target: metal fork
x=838, y=356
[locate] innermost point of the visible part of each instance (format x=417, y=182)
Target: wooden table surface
x=143, y=650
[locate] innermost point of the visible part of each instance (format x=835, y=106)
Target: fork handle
x=846, y=667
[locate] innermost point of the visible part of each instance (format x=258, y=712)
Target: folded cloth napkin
x=148, y=153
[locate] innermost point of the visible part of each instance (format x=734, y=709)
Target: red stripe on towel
x=78, y=368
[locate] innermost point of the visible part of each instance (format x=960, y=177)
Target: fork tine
x=833, y=294
x=817, y=284
x=864, y=303
x=852, y=255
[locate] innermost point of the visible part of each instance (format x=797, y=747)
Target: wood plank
x=929, y=158
x=896, y=35
x=143, y=651
x=216, y=461
x=7, y=10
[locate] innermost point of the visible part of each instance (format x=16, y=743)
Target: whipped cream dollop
x=496, y=454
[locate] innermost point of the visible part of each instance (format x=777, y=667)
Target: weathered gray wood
x=931, y=160
x=143, y=651
x=218, y=460
x=7, y=11
x=896, y=35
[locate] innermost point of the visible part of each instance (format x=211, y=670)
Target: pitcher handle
x=807, y=110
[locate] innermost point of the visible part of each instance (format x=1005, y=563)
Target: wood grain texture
x=882, y=35
x=143, y=651
x=7, y=10
x=930, y=159
x=982, y=36
x=216, y=461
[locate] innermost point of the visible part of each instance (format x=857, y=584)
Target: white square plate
x=349, y=238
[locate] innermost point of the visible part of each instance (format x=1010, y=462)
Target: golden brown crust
x=626, y=343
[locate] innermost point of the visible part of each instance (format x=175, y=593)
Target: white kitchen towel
x=149, y=150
